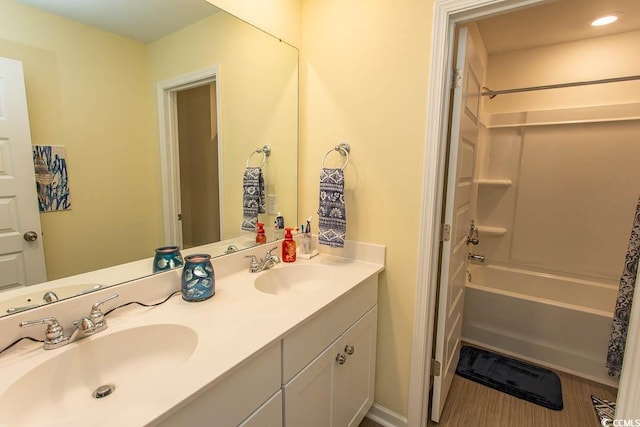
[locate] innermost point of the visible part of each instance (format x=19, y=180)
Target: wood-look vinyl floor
x=470, y=404
x=369, y=423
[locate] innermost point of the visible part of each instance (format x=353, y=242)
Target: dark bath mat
x=515, y=377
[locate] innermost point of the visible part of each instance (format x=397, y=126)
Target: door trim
x=169, y=159
x=447, y=13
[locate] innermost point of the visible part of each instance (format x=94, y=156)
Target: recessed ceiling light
x=604, y=20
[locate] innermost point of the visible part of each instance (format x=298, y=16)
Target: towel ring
x=343, y=148
x=265, y=151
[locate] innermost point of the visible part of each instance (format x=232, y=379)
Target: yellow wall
x=363, y=79
x=363, y=71
x=259, y=78
x=278, y=17
x=86, y=90
x=364, y=74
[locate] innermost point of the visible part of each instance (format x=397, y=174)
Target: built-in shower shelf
x=491, y=231
x=495, y=182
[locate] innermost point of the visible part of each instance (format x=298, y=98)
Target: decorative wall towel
x=622, y=312
x=332, y=223
x=253, y=198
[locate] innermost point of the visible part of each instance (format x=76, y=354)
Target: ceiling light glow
x=604, y=20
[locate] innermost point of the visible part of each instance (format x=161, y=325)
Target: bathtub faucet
x=476, y=257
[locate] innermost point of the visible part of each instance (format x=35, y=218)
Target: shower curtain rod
x=493, y=93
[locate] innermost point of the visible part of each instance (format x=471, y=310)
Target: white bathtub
x=559, y=322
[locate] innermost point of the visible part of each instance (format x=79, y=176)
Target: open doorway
x=427, y=289
x=191, y=158
x=199, y=176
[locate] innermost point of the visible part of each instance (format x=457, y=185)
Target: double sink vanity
x=292, y=345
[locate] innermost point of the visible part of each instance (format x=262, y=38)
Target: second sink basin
x=295, y=279
x=60, y=391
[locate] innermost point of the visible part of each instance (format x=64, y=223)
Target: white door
x=21, y=261
x=459, y=211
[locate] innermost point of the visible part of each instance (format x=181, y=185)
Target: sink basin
x=296, y=279
x=135, y=361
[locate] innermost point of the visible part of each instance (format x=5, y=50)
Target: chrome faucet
x=265, y=263
x=476, y=257
x=47, y=298
x=50, y=297
x=231, y=249
x=87, y=325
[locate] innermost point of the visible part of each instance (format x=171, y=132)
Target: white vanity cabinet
x=335, y=384
x=336, y=388
x=268, y=415
x=237, y=396
x=321, y=373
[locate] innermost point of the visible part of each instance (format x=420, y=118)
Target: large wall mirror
x=96, y=93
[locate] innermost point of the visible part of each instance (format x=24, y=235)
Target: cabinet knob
x=349, y=349
x=341, y=358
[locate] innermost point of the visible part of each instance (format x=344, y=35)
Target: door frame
x=447, y=14
x=169, y=154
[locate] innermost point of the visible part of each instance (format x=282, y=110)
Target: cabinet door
x=308, y=396
x=354, y=379
x=328, y=393
x=268, y=415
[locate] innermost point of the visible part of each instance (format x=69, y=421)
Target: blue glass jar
x=167, y=258
x=198, y=278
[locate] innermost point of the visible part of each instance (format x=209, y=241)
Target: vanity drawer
x=238, y=395
x=309, y=339
x=268, y=415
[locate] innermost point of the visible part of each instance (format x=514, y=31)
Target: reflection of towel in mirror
x=332, y=220
x=253, y=198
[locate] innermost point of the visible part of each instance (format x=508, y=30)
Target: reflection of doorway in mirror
x=198, y=160
x=21, y=249
x=206, y=100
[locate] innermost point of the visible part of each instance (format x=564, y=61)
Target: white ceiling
x=556, y=22
x=141, y=20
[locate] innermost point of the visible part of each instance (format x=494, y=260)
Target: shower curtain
x=622, y=310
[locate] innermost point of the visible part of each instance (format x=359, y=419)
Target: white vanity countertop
x=232, y=326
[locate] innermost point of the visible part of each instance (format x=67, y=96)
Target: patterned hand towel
x=253, y=198
x=605, y=410
x=332, y=223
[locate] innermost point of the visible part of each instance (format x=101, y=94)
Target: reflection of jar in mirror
x=198, y=278
x=167, y=258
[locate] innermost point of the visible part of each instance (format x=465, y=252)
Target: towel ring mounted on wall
x=343, y=148
x=265, y=151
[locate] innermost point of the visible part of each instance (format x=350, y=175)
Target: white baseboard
x=386, y=417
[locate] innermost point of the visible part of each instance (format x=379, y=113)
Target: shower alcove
x=557, y=185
